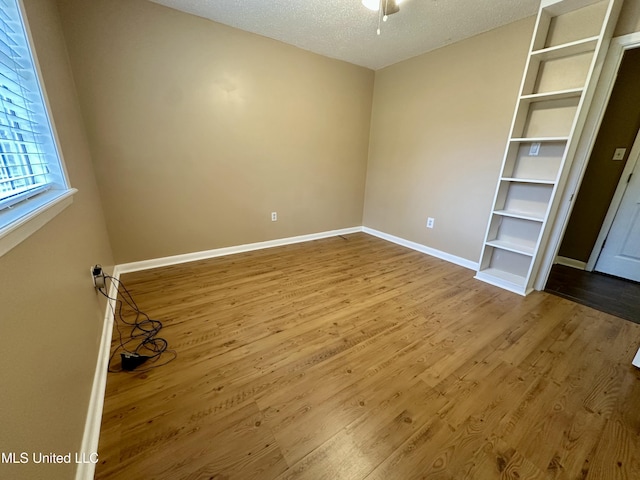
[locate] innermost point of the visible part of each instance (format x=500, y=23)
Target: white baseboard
x=219, y=252
x=636, y=360
x=463, y=262
x=570, y=262
x=91, y=436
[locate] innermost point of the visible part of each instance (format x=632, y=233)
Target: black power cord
x=142, y=345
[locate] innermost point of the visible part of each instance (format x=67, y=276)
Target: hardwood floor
x=608, y=294
x=354, y=358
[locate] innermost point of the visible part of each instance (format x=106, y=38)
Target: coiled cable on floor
x=140, y=344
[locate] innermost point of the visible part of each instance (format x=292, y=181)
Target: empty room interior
x=311, y=240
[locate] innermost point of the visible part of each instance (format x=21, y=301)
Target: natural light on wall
x=375, y=4
x=33, y=184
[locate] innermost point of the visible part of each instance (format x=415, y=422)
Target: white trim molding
x=91, y=436
x=31, y=216
x=570, y=262
x=463, y=262
x=219, y=252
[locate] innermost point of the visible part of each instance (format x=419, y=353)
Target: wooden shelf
x=528, y=180
x=529, y=201
x=506, y=280
x=556, y=88
x=550, y=96
x=539, y=139
x=521, y=215
x=520, y=163
x=545, y=119
x=512, y=247
x=568, y=49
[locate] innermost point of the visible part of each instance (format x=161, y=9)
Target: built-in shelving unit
x=568, y=45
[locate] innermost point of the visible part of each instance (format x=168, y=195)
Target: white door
x=621, y=253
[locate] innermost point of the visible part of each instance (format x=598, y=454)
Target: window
x=33, y=185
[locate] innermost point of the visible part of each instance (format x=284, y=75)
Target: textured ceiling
x=346, y=30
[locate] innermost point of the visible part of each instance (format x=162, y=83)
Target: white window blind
x=33, y=185
x=29, y=160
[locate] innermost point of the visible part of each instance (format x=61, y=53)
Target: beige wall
x=244, y=125
x=438, y=130
x=50, y=319
x=199, y=131
x=629, y=20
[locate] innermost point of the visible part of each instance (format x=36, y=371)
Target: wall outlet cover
x=535, y=149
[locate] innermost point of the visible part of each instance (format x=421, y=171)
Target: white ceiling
x=346, y=30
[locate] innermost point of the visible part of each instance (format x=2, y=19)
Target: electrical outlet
x=274, y=216
x=97, y=275
x=534, y=150
x=430, y=222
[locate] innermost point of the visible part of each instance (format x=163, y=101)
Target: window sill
x=40, y=210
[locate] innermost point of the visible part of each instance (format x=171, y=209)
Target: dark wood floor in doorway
x=608, y=294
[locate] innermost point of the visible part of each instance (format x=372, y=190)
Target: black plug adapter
x=132, y=360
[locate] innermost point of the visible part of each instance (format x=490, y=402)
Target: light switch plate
x=619, y=153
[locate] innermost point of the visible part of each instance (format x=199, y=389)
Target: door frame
x=602, y=94
x=615, y=203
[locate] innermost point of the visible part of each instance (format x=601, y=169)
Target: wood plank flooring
x=608, y=294
x=354, y=358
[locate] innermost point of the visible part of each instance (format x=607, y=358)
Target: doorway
x=619, y=252
x=582, y=241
